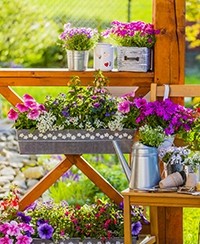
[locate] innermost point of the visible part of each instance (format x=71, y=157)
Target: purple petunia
x=45, y=231
x=24, y=218
x=136, y=228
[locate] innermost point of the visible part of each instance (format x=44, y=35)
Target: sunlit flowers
x=26, y=113
x=14, y=232
x=173, y=154
x=78, y=38
x=172, y=117
x=132, y=34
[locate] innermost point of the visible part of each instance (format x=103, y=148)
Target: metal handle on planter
x=131, y=58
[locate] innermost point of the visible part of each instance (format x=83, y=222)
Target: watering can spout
x=125, y=166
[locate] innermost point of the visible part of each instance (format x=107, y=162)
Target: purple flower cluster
x=79, y=39
x=69, y=32
x=172, y=117
x=135, y=33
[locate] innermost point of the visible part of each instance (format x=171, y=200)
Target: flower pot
x=145, y=172
x=77, y=60
x=172, y=168
x=69, y=241
x=133, y=59
x=116, y=240
x=103, y=57
x=74, y=141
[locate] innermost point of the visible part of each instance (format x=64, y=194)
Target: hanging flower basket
x=74, y=141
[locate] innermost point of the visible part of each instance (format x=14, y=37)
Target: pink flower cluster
x=30, y=107
x=13, y=232
x=135, y=33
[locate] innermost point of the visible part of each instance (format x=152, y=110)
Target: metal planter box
x=74, y=141
x=136, y=59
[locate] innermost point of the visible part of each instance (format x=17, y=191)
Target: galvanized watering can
x=144, y=171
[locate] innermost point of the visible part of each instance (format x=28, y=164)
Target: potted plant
x=50, y=222
x=134, y=40
x=173, y=157
x=155, y=121
x=84, y=120
x=78, y=41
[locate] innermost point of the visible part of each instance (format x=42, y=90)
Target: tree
x=25, y=33
x=193, y=18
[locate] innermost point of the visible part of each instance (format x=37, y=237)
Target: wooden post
x=169, y=62
x=169, y=53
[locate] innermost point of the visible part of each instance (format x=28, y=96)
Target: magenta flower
x=132, y=34
x=32, y=104
x=33, y=114
x=21, y=107
x=23, y=240
x=27, y=97
x=12, y=114
x=13, y=229
x=6, y=240
x=124, y=107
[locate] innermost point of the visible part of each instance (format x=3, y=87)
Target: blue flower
x=136, y=228
x=24, y=218
x=45, y=231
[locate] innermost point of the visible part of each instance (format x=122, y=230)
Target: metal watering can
x=144, y=171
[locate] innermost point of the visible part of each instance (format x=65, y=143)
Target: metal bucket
x=145, y=172
x=77, y=60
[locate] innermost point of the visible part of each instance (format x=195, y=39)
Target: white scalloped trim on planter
x=74, y=141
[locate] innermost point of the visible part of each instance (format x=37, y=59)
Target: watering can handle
x=166, y=92
x=122, y=160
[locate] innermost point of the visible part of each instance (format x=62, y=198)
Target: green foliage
x=191, y=225
x=193, y=16
x=150, y=136
x=83, y=190
x=25, y=36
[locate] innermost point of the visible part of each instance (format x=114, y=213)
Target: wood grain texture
x=169, y=51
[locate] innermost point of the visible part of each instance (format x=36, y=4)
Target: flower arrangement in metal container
x=132, y=34
x=78, y=38
x=93, y=107
x=156, y=120
x=60, y=221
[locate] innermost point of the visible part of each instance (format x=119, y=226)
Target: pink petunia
x=12, y=114
x=41, y=107
x=23, y=240
x=32, y=104
x=13, y=229
x=33, y=114
x=21, y=107
x=124, y=107
x=28, y=97
x=6, y=240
